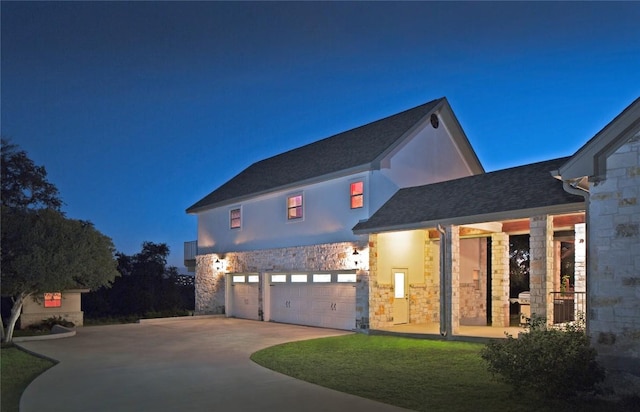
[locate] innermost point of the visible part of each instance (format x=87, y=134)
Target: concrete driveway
x=192, y=364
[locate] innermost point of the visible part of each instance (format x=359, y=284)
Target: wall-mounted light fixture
x=356, y=257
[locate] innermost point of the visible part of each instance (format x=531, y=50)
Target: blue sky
x=139, y=109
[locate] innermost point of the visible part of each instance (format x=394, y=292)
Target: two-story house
x=396, y=223
x=276, y=241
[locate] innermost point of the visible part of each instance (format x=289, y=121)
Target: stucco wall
x=613, y=263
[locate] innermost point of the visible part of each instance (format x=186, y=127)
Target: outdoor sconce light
x=218, y=264
x=355, y=257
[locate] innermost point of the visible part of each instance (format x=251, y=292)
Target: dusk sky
x=139, y=109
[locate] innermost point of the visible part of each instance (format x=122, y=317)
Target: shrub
x=553, y=362
x=47, y=324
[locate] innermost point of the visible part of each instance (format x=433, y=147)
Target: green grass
x=422, y=375
x=18, y=370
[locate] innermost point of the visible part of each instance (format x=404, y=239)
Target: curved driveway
x=192, y=364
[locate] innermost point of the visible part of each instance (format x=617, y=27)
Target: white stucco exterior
x=428, y=155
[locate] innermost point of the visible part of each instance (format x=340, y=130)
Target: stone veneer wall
x=424, y=298
x=210, y=283
x=500, y=279
x=613, y=265
x=580, y=270
x=452, y=278
x=541, y=269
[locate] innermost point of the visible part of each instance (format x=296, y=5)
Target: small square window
x=53, y=300
x=294, y=207
x=235, y=218
x=357, y=195
x=302, y=278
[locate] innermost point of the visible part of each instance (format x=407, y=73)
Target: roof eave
x=317, y=179
x=590, y=159
x=481, y=218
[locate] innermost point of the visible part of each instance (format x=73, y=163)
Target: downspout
x=573, y=188
x=443, y=289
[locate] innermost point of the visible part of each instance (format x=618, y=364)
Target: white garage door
x=244, y=297
x=325, y=300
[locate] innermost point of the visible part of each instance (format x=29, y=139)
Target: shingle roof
x=505, y=191
x=347, y=150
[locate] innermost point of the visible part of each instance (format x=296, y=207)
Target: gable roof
x=504, y=194
x=590, y=159
x=345, y=153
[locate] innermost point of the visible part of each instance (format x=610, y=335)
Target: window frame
x=238, y=218
x=55, y=300
x=290, y=208
x=357, y=195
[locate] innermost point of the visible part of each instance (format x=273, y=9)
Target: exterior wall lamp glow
x=355, y=256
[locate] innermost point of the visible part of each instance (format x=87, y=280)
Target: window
x=357, y=195
x=238, y=278
x=347, y=277
x=253, y=279
x=53, y=300
x=294, y=207
x=278, y=278
x=301, y=278
x=235, y=218
x=322, y=277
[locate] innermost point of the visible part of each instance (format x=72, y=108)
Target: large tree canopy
x=42, y=250
x=25, y=185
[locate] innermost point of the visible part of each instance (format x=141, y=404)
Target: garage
x=326, y=300
x=244, y=296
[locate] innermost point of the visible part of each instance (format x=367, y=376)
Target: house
x=282, y=228
x=606, y=171
x=56, y=304
x=395, y=223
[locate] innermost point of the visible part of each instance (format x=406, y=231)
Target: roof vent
x=435, y=122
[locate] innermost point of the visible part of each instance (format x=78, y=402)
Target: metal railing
x=567, y=306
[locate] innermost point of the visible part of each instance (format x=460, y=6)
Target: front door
x=401, y=297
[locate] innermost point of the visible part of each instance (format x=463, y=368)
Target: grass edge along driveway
x=19, y=369
x=417, y=374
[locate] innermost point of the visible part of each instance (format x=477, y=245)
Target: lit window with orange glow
x=357, y=195
x=53, y=300
x=235, y=218
x=294, y=207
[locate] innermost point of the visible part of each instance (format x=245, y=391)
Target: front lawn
x=418, y=374
x=18, y=370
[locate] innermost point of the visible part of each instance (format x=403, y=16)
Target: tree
x=518, y=264
x=42, y=250
x=25, y=185
x=146, y=285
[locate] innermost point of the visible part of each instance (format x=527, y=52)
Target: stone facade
x=500, y=279
x=450, y=305
x=210, y=276
x=613, y=319
x=542, y=268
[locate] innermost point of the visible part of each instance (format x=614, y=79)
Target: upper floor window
x=235, y=218
x=294, y=207
x=357, y=195
x=53, y=300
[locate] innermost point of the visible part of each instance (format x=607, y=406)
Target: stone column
x=500, y=279
x=580, y=271
x=432, y=280
x=541, y=269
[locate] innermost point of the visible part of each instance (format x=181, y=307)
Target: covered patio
x=439, y=254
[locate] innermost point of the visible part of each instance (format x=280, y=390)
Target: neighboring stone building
x=66, y=305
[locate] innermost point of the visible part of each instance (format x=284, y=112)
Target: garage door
x=327, y=300
x=244, y=297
